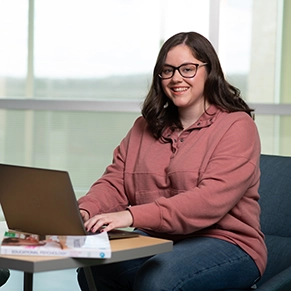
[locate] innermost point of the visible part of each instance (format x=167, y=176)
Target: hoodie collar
x=206, y=119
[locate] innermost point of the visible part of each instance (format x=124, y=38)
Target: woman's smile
x=179, y=89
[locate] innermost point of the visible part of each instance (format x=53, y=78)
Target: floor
x=65, y=280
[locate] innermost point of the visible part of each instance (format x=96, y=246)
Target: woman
x=188, y=170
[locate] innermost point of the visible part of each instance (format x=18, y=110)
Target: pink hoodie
x=201, y=183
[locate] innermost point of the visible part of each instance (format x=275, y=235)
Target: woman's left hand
x=109, y=220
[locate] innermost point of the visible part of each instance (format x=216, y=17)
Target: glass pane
x=81, y=143
x=105, y=49
x=275, y=134
x=250, y=47
x=235, y=33
x=13, y=38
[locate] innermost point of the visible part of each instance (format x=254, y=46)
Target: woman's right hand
x=85, y=215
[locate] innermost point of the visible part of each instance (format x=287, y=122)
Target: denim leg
x=198, y=264
x=115, y=276
x=195, y=264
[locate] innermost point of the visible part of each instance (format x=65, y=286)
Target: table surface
x=122, y=249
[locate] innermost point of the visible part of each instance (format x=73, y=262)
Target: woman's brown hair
x=216, y=90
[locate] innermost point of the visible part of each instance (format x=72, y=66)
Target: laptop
x=42, y=201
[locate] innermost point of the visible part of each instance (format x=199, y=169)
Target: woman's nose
x=177, y=76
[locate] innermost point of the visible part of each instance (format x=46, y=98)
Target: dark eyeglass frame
x=178, y=69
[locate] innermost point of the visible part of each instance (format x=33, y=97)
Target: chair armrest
x=280, y=282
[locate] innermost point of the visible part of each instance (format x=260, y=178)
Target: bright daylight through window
x=105, y=51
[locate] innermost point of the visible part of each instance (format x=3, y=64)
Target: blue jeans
x=195, y=264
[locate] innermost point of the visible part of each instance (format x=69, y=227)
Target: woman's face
x=186, y=93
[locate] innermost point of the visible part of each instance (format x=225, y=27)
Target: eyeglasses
x=187, y=70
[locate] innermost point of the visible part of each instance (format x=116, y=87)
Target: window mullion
x=30, y=52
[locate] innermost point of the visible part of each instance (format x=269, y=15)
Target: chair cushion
x=279, y=256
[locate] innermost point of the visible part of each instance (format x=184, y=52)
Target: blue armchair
x=275, y=201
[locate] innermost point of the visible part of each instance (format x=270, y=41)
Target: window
x=13, y=55
x=73, y=73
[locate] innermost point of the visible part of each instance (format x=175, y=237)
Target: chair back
x=275, y=202
x=275, y=192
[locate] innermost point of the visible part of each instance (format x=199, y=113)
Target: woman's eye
x=188, y=69
x=167, y=71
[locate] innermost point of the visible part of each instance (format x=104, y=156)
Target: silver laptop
x=42, y=201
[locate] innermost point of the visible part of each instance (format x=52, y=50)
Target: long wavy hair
x=216, y=90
